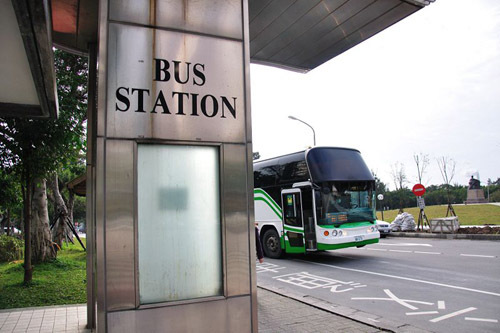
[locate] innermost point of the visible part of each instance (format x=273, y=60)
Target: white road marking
x=268, y=267
x=421, y=313
x=441, y=305
x=453, y=314
x=477, y=255
x=371, y=249
x=423, y=252
x=405, y=244
x=482, y=319
x=388, y=299
x=375, y=320
x=309, y=281
x=402, y=251
x=399, y=301
x=403, y=278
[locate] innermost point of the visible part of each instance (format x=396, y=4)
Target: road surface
x=433, y=284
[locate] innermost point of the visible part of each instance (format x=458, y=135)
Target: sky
x=430, y=84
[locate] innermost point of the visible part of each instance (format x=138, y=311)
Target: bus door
x=293, y=221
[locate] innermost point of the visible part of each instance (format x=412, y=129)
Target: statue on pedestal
x=474, y=184
x=475, y=194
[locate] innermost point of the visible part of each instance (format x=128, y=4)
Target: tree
x=400, y=180
x=447, y=168
x=72, y=75
x=25, y=151
x=33, y=148
x=380, y=186
x=399, y=175
x=9, y=197
x=422, y=162
x=42, y=247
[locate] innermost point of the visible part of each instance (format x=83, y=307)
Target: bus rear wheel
x=271, y=244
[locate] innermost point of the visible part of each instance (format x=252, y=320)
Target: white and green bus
x=319, y=199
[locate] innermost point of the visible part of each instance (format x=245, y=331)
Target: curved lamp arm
x=314, y=133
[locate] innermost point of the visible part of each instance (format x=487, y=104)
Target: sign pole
x=419, y=190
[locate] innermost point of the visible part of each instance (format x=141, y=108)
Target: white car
x=384, y=228
x=13, y=231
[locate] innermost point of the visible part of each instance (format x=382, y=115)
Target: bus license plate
x=358, y=238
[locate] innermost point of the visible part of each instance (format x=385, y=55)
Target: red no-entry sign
x=418, y=190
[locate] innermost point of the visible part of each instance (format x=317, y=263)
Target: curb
x=444, y=236
x=44, y=307
x=346, y=312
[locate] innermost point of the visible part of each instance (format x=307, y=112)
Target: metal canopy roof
x=293, y=34
x=301, y=35
x=298, y=35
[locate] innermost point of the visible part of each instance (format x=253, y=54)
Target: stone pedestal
x=475, y=196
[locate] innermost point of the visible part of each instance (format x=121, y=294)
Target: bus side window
x=293, y=172
x=290, y=212
x=267, y=176
x=293, y=214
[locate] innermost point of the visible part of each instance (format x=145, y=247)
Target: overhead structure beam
x=32, y=66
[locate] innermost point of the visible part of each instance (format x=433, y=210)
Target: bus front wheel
x=271, y=244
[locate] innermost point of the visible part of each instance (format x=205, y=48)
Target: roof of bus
x=301, y=153
x=323, y=164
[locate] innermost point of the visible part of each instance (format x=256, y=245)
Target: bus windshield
x=344, y=202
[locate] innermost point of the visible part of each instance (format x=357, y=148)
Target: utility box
x=173, y=169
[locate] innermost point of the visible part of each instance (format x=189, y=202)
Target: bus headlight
x=371, y=229
x=342, y=233
x=334, y=233
x=326, y=233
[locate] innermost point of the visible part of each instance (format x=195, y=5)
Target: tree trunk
x=401, y=210
x=26, y=190
x=41, y=238
x=71, y=206
x=60, y=228
x=3, y=225
x=8, y=222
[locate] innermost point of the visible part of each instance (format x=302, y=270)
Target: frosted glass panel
x=179, y=228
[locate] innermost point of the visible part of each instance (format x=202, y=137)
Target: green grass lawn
x=467, y=214
x=62, y=281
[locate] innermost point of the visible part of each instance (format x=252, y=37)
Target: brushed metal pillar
x=90, y=181
x=212, y=35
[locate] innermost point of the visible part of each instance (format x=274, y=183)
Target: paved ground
x=45, y=319
x=277, y=313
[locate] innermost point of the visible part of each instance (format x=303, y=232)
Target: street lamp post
x=380, y=197
x=314, y=133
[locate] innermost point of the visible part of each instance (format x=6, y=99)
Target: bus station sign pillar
x=174, y=239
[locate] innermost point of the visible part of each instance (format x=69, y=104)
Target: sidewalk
x=416, y=234
x=64, y=318
x=279, y=313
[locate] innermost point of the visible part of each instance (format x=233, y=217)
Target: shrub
x=11, y=248
x=495, y=196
